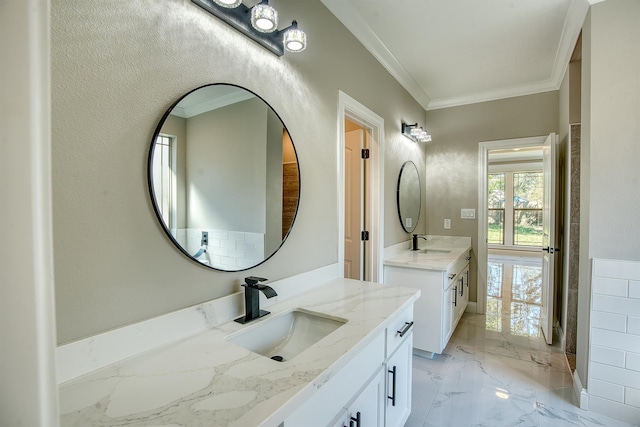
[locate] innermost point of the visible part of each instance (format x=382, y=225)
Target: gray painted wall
x=227, y=168
x=116, y=67
x=452, y=157
x=610, y=148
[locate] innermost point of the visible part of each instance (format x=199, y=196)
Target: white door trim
x=349, y=108
x=483, y=167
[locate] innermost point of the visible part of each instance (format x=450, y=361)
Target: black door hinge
x=364, y=236
x=365, y=153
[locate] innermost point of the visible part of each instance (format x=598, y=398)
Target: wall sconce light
x=259, y=23
x=415, y=133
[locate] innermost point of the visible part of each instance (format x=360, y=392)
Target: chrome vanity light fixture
x=415, y=133
x=259, y=23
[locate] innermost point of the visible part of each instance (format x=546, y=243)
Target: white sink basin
x=284, y=336
x=435, y=251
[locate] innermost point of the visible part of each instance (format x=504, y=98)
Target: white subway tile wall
x=228, y=250
x=614, y=357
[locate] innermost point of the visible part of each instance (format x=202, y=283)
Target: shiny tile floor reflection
x=497, y=369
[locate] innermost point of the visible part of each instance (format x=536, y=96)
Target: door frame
x=349, y=108
x=483, y=170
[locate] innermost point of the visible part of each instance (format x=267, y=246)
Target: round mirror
x=223, y=177
x=409, y=196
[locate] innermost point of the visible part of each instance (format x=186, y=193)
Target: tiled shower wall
x=614, y=349
x=571, y=328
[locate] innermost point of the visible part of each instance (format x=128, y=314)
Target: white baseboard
x=471, y=307
x=580, y=392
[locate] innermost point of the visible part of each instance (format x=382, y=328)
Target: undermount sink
x=435, y=251
x=284, y=336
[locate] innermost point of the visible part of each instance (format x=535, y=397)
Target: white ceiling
x=456, y=52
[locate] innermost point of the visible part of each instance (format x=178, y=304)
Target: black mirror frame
x=152, y=191
x=398, y=197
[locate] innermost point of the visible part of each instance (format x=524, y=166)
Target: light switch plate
x=447, y=224
x=408, y=222
x=468, y=213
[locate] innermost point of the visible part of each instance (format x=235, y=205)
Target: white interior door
x=549, y=165
x=353, y=177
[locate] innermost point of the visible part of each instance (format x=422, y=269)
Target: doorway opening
x=360, y=224
x=514, y=294
x=356, y=201
x=516, y=218
x=515, y=199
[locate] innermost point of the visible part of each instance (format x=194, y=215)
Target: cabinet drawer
x=455, y=270
x=399, y=329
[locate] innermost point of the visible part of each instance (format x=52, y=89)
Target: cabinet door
x=399, y=365
x=341, y=421
x=448, y=300
x=367, y=409
x=465, y=300
x=459, y=301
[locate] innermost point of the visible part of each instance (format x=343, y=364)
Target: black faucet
x=252, y=298
x=414, y=241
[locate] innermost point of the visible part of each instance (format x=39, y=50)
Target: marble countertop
x=437, y=253
x=205, y=380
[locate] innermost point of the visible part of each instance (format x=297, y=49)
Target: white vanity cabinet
x=397, y=366
x=445, y=294
x=366, y=409
x=398, y=396
x=372, y=390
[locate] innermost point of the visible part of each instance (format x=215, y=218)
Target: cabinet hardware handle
x=468, y=258
x=455, y=294
x=451, y=276
x=467, y=272
x=393, y=386
x=462, y=286
x=406, y=328
x=356, y=419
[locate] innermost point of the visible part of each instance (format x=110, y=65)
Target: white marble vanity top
x=436, y=253
x=204, y=380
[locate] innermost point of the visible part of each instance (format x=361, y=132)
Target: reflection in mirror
x=409, y=196
x=224, y=178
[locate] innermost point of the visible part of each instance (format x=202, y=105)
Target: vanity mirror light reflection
x=223, y=177
x=409, y=198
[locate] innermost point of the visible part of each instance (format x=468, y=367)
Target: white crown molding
x=570, y=32
x=212, y=104
x=354, y=23
x=510, y=92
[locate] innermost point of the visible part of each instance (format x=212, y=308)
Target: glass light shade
x=424, y=137
x=295, y=40
x=415, y=131
x=228, y=3
x=264, y=18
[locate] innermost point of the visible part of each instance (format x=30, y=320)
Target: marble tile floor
x=497, y=369
x=496, y=378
